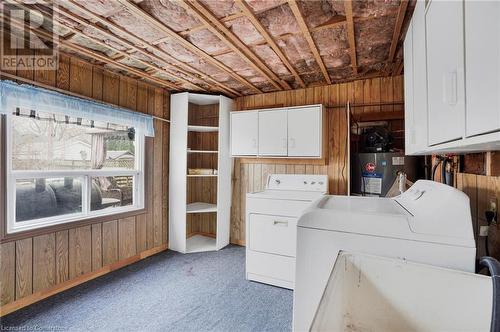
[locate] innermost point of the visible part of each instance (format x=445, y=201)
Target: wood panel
x=250, y=175
x=96, y=246
x=62, y=256
x=44, y=265
x=7, y=272
x=109, y=242
x=80, y=80
x=24, y=267
x=80, y=251
x=482, y=191
x=126, y=236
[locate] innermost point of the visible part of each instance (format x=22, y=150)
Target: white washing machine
x=271, y=225
x=430, y=223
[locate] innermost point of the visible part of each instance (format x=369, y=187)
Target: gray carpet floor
x=165, y=292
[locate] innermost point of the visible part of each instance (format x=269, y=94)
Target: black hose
x=443, y=171
x=494, y=268
x=433, y=175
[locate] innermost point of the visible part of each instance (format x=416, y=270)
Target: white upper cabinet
x=273, y=138
x=452, y=77
x=482, y=63
x=304, y=132
x=288, y=132
x=445, y=71
x=244, y=133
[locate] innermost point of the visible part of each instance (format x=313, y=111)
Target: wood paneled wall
x=35, y=267
x=481, y=190
x=252, y=176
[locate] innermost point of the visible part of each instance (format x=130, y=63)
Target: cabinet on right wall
x=452, y=77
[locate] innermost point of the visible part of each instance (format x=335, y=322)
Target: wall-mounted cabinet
x=291, y=132
x=452, y=77
x=200, y=172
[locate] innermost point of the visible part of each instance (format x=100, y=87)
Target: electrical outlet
x=483, y=231
x=493, y=205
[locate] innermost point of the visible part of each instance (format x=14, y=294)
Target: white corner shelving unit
x=190, y=218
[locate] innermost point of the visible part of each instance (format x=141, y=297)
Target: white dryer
x=430, y=223
x=271, y=225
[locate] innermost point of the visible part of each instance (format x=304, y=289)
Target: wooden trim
x=307, y=34
x=233, y=42
x=269, y=39
x=238, y=242
x=4, y=237
x=140, y=13
x=397, y=29
x=201, y=233
x=178, y=67
x=378, y=116
x=38, y=296
x=351, y=35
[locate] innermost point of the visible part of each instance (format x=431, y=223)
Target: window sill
x=5, y=237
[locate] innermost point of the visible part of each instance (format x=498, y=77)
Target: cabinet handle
x=280, y=223
x=292, y=142
x=254, y=142
x=454, y=88
x=450, y=88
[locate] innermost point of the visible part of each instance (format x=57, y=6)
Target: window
x=62, y=169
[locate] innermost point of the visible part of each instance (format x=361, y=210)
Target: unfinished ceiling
x=235, y=47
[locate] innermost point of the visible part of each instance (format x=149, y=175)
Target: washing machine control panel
x=306, y=182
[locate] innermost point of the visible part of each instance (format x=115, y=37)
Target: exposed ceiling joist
x=91, y=54
x=334, y=22
x=176, y=64
x=140, y=13
x=203, y=26
x=397, y=29
x=269, y=39
x=233, y=42
x=350, y=35
x=307, y=34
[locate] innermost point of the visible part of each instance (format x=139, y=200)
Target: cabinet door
x=304, y=132
x=408, y=77
x=244, y=133
x=273, y=133
x=482, y=65
x=419, y=139
x=445, y=71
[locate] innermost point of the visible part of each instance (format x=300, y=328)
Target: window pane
x=111, y=191
x=54, y=142
x=47, y=197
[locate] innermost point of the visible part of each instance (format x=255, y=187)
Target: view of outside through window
x=51, y=142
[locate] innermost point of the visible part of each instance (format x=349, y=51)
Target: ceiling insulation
x=215, y=62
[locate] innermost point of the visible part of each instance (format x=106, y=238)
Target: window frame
x=12, y=227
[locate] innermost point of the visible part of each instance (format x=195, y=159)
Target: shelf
x=203, y=128
x=201, y=175
x=199, y=243
x=201, y=207
x=201, y=151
